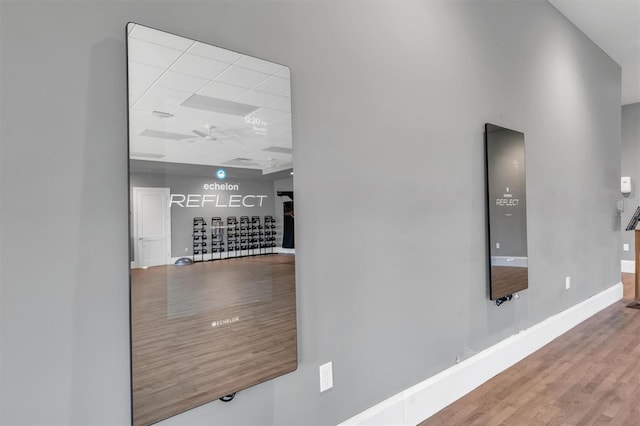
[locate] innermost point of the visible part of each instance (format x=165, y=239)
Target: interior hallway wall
x=630, y=166
x=389, y=103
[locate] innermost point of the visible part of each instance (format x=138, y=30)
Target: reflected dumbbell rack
x=255, y=235
x=217, y=238
x=233, y=237
x=244, y=235
x=269, y=234
x=199, y=239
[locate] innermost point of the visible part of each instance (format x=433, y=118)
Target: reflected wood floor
x=588, y=376
x=508, y=280
x=206, y=330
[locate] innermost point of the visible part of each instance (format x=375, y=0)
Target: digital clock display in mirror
x=213, y=304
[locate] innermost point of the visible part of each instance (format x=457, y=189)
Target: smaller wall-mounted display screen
x=507, y=211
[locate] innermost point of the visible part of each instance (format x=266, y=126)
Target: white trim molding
x=423, y=400
x=628, y=266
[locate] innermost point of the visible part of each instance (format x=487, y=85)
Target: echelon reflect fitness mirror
x=507, y=211
x=213, y=304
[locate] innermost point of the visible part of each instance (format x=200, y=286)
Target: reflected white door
x=151, y=227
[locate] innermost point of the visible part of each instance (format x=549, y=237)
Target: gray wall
x=389, y=102
x=630, y=167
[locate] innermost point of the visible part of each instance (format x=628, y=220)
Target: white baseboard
x=423, y=400
x=628, y=266
x=243, y=253
x=281, y=250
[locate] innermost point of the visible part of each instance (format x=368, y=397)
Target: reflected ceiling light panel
x=219, y=105
x=241, y=161
x=280, y=149
x=164, y=135
x=161, y=114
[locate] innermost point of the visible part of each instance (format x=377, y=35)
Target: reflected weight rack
x=233, y=236
x=199, y=239
x=269, y=235
x=255, y=236
x=248, y=236
x=244, y=235
x=217, y=238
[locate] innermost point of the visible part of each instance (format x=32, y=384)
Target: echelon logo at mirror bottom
x=225, y=321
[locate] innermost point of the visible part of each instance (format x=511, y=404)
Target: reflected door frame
x=138, y=239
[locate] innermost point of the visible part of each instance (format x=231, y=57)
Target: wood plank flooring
x=203, y=331
x=588, y=376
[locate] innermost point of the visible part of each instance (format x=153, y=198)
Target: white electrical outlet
x=567, y=283
x=497, y=245
x=625, y=247
x=326, y=376
x=186, y=249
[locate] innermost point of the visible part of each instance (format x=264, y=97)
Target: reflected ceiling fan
x=212, y=134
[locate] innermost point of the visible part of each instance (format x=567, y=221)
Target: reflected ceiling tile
x=221, y=90
x=148, y=104
x=282, y=104
x=276, y=85
x=148, y=145
x=152, y=54
x=160, y=37
x=183, y=82
x=260, y=65
x=268, y=115
x=213, y=52
x=286, y=119
x=137, y=88
x=142, y=73
x=285, y=73
x=199, y=66
x=242, y=77
x=256, y=98
x=141, y=119
x=166, y=94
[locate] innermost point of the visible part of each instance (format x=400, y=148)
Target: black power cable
x=228, y=398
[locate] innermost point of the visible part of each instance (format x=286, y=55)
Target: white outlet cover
x=625, y=247
x=326, y=376
x=567, y=283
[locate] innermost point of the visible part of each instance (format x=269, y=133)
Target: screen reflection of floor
x=203, y=331
x=507, y=280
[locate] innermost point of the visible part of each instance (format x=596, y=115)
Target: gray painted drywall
x=630, y=165
x=389, y=102
x=182, y=216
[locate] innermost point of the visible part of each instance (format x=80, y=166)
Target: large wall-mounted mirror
x=507, y=211
x=213, y=305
